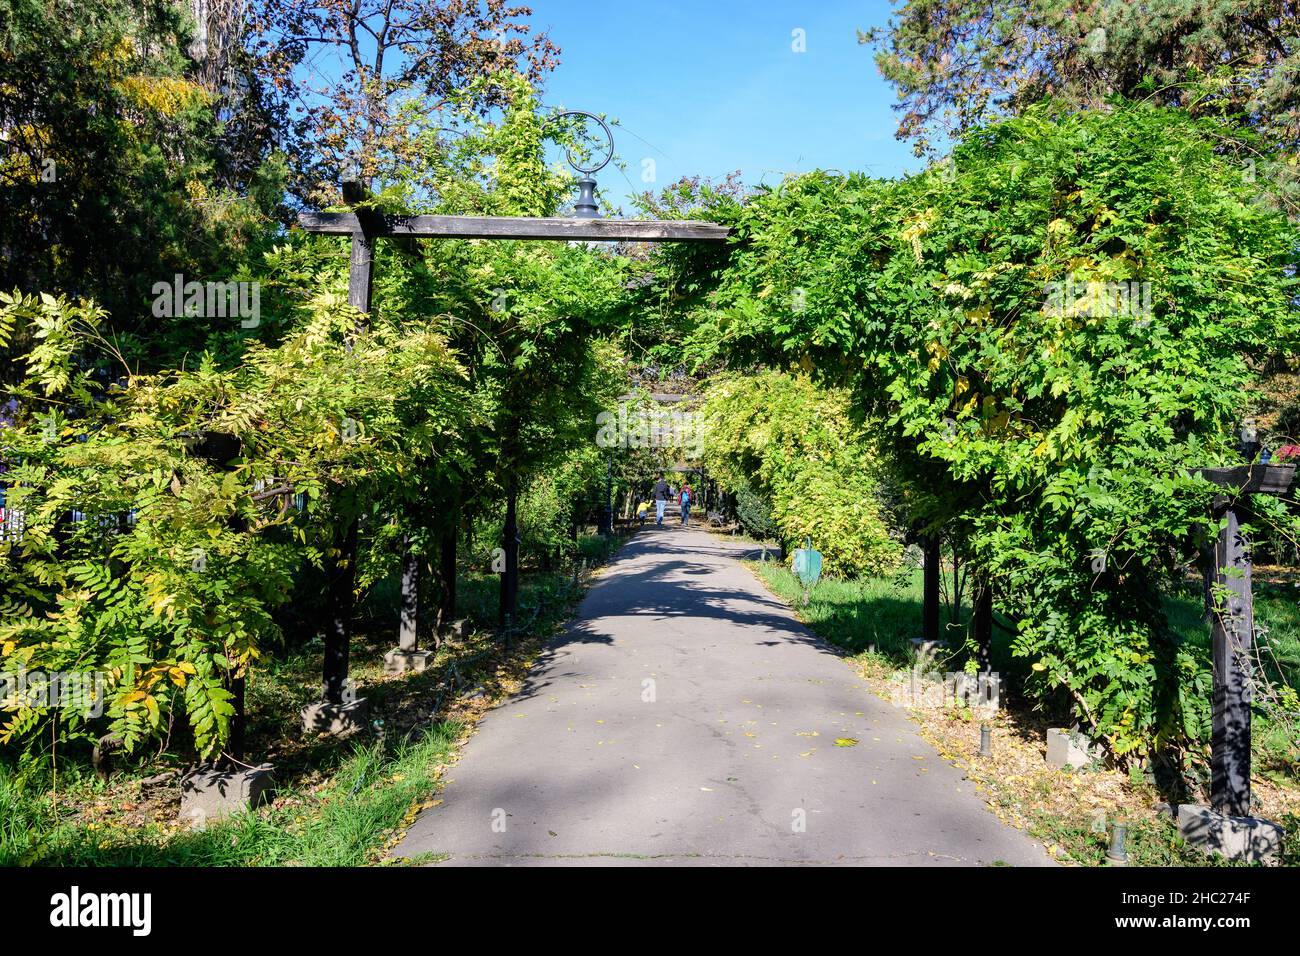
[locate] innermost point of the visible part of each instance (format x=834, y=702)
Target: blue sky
x=714, y=86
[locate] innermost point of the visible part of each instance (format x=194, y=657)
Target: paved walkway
x=686, y=717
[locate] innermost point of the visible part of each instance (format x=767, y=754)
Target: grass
x=345, y=822
x=338, y=803
x=886, y=613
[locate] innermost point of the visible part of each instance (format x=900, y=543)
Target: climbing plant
x=1055, y=328
x=782, y=440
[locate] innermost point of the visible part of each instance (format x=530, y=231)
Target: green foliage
x=958, y=66
x=108, y=166
x=753, y=513
x=213, y=491
x=792, y=444
x=167, y=586
x=1052, y=438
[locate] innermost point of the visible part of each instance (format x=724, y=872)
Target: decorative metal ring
x=568, y=151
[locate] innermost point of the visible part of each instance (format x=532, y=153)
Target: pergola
x=365, y=226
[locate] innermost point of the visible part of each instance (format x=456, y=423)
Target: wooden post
x=982, y=623
x=238, y=720
x=342, y=586
x=447, y=575
x=930, y=576
x=1232, y=617
x=1232, y=622
x=408, y=638
x=510, y=545
x=360, y=278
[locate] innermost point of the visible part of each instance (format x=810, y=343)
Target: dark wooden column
x=447, y=574
x=509, y=605
x=238, y=720
x=360, y=268
x=1232, y=617
x=982, y=624
x=1232, y=632
x=338, y=635
x=930, y=577
x=342, y=583
x=408, y=635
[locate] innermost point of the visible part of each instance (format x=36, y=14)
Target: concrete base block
x=1069, y=749
x=927, y=651
x=1237, y=838
x=209, y=795
x=398, y=661
x=335, y=720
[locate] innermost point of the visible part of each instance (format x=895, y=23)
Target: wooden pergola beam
x=513, y=227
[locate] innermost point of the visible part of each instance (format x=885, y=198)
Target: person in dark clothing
x=661, y=496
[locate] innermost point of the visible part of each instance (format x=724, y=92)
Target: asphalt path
x=686, y=717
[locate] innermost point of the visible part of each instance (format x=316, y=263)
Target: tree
x=528, y=316
x=959, y=65
x=394, y=50
x=107, y=145
x=793, y=445
x=1055, y=333
x=205, y=493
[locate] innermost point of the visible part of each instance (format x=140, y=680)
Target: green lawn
x=343, y=823
x=886, y=612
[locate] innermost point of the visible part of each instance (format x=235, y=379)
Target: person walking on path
x=686, y=502
x=661, y=496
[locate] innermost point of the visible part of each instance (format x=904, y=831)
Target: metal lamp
x=586, y=207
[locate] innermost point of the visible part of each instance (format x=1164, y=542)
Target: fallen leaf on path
x=846, y=741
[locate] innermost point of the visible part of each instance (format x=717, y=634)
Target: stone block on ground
x=927, y=651
x=209, y=795
x=399, y=661
x=1237, y=838
x=335, y=720
x=1069, y=749
x=457, y=630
